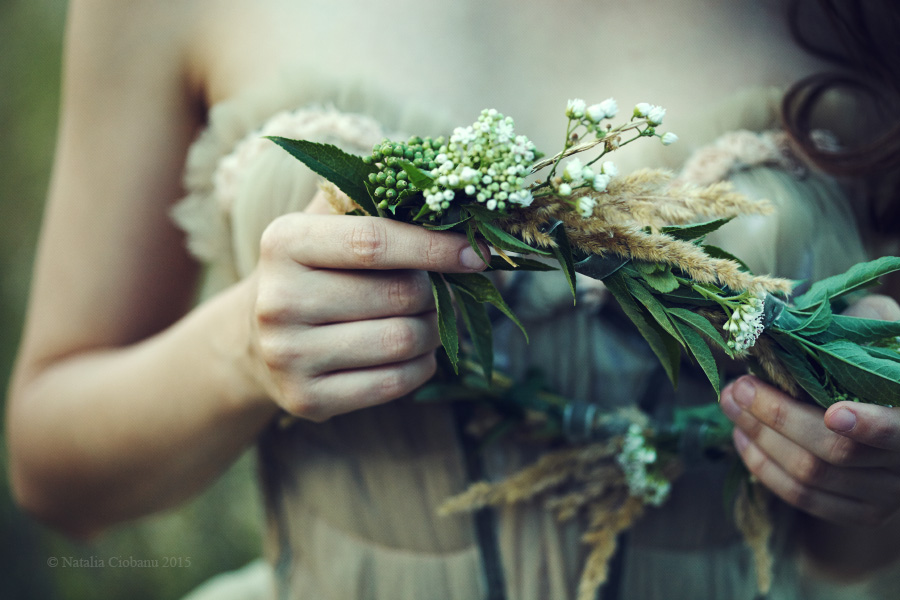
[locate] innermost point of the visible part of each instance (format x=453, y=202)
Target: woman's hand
x=345, y=315
x=842, y=465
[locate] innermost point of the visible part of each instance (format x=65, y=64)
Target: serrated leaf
x=700, y=324
x=444, y=227
x=654, y=306
x=884, y=353
x=499, y=238
x=417, y=177
x=523, y=264
x=856, y=277
x=701, y=353
x=716, y=252
x=446, y=319
x=663, y=345
x=694, y=231
x=471, y=229
x=478, y=325
x=563, y=254
x=860, y=330
x=483, y=289
x=347, y=171
x=872, y=379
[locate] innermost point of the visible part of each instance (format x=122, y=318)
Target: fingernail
x=741, y=441
x=744, y=392
x=731, y=410
x=842, y=420
x=470, y=260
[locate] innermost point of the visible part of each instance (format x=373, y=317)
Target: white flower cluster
x=745, y=325
x=653, y=113
x=578, y=109
x=634, y=458
x=485, y=160
x=577, y=175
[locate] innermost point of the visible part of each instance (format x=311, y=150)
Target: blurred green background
x=219, y=530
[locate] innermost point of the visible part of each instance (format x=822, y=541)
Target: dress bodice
x=352, y=502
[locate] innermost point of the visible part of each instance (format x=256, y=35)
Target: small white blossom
x=745, y=325
x=587, y=173
x=470, y=190
x=609, y=168
x=601, y=182
x=668, y=138
x=565, y=189
x=656, y=115
x=585, y=206
x=634, y=459
x=573, y=170
x=641, y=109
x=575, y=108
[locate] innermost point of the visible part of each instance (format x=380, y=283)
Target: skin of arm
x=125, y=402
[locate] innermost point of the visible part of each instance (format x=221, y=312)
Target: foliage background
x=219, y=530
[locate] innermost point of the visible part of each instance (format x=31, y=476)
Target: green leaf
x=662, y=281
x=499, y=238
x=815, y=323
x=446, y=226
x=701, y=352
x=856, y=277
x=872, y=379
x=716, y=252
x=692, y=232
x=654, y=306
x=482, y=289
x=859, y=330
x=885, y=353
x=524, y=264
x=417, y=177
x=563, y=254
x=663, y=345
x=475, y=318
x=446, y=319
x=344, y=170
x=795, y=360
x=700, y=324
x=471, y=229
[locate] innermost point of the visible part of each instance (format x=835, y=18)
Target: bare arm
x=122, y=404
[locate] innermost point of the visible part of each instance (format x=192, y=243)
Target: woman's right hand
x=345, y=315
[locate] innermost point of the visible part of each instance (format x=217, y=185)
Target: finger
x=362, y=344
x=820, y=503
x=868, y=424
x=803, y=466
x=341, y=242
x=319, y=297
x=346, y=391
x=752, y=404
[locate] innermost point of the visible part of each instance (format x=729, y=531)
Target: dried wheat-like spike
x=340, y=202
x=751, y=515
x=607, y=523
x=764, y=354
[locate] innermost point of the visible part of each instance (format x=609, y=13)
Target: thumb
x=875, y=306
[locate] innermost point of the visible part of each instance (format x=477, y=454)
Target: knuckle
x=809, y=469
x=800, y=496
x=842, y=452
x=777, y=415
x=275, y=353
x=301, y=400
x=434, y=250
x=365, y=240
x=404, y=292
x=393, y=384
x=398, y=339
x=275, y=238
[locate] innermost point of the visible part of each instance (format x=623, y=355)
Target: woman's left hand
x=840, y=464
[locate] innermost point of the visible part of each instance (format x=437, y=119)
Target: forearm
x=107, y=435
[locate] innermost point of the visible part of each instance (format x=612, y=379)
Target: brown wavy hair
x=861, y=40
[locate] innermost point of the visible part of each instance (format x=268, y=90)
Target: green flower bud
x=380, y=177
x=373, y=177
x=390, y=181
x=379, y=192
x=402, y=184
x=402, y=176
x=390, y=194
